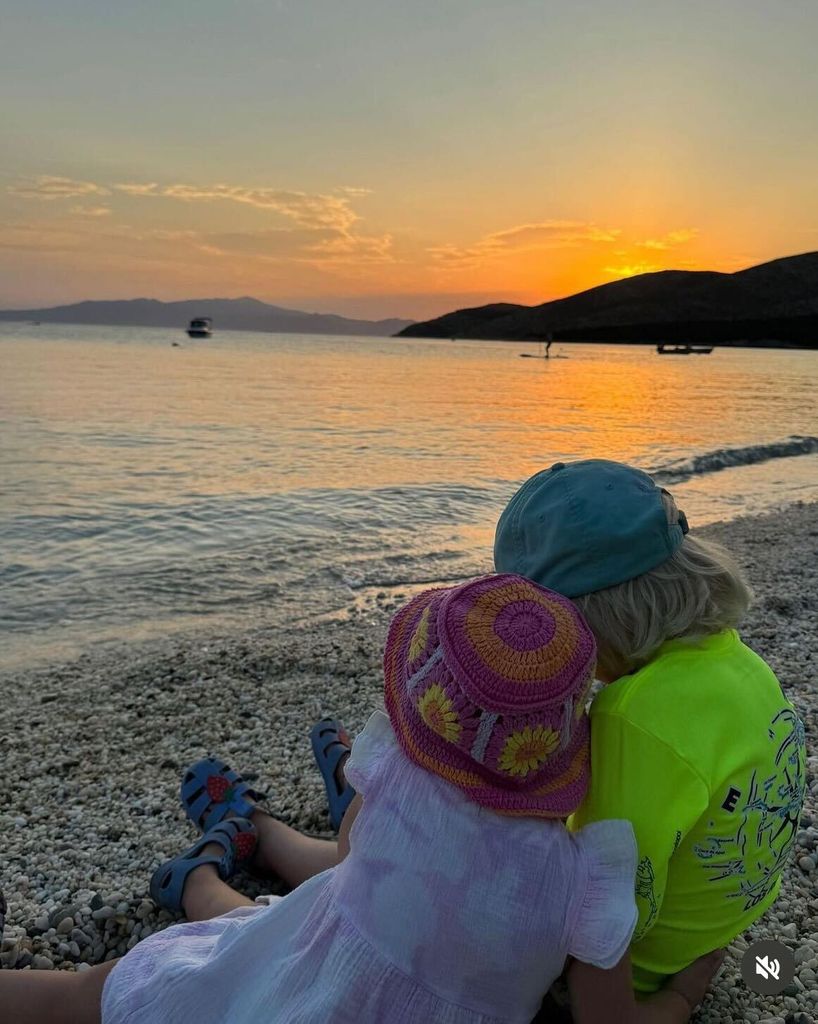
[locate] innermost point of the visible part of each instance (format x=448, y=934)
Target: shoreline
x=693, y=332
x=91, y=751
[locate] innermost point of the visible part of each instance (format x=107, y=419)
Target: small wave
x=727, y=458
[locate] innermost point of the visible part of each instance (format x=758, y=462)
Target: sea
x=151, y=484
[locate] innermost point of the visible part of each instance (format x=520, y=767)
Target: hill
x=229, y=314
x=774, y=302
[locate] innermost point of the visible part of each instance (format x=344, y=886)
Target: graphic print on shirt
x=767, y=810
x=646, y=892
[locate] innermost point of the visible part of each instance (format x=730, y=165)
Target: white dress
x=443, y=912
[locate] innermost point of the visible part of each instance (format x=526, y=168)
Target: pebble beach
x=91, y=752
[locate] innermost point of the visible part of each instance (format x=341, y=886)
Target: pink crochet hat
x=486, y=684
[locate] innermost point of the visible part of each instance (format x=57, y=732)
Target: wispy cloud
x=632, y=269
x=315, y=246
x=354, y=191
x=309, y=209
x=332, y=209
x=91, y=234
x=671, y=239
x=49, y=187
x=321, y=229
x=135, y=189
x=549, y=234
x=91, y=211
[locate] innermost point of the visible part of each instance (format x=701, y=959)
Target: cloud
x=273, y=243
x=309, y=209
x=331, y=209
x=316, y=246
x=91, y=211
x=347, y=248
x=549, y=234
x=36, y=238
x=49, y=187
x=669, y=240
x=135, y=189
x=354, y=191
x=632, y=269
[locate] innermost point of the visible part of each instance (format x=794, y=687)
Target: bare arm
x=608, y=995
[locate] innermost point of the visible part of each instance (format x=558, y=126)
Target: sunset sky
x=398, y=157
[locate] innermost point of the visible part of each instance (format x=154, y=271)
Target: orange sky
x=378, y=159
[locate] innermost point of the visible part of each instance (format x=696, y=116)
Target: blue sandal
x=236, y=836
x=211, y=790
x=331, y=742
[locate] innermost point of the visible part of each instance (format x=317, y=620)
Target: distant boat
x=684, y=350
x=201, y=327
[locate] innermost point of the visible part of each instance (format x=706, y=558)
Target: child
x=693, y=741
x=458, y=893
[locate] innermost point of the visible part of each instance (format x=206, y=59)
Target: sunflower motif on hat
x=437, y=711
x=527, y=748
x=420, y=637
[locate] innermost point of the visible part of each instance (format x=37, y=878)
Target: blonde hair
x=696, y=592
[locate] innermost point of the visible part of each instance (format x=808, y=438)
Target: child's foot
x=331, y=746
x=211, y=791
x=222, y=849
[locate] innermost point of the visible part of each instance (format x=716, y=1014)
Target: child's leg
x=53, y=997
x=282, y=851
x=205, y=895
x=288, y=853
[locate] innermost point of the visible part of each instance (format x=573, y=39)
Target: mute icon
x=768, y=967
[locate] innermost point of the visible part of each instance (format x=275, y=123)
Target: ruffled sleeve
x=606, y=918
x=372, y=748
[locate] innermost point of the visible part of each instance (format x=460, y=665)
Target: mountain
x=772, y=302
x=229, y=314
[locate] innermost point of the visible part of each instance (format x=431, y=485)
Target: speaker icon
x=768, y=968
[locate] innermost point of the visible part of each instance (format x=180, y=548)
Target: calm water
x=257, y=478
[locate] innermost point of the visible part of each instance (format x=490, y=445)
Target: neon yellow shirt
x=702, y=752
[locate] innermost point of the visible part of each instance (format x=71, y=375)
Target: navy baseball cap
x=583, y=526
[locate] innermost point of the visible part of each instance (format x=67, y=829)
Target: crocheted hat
x=486, y=684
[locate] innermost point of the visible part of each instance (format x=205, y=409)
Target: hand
x=693, y=982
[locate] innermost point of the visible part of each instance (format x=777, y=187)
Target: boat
x=684, y=350
x=200, y=327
